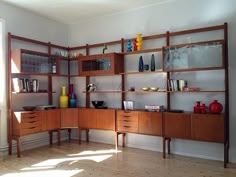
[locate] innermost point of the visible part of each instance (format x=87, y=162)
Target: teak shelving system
x=49, y=75
x=167, y=36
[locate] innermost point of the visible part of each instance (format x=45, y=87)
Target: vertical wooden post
x=9, y=100
x=226, y=120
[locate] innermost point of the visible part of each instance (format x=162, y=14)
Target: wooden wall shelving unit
x=163, y=131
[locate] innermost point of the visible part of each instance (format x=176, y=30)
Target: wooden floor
x=101, y=160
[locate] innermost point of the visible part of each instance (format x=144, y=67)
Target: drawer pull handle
x=32, y=122
x=32, y=117
x=126, y=120
x=126, y=116
x=126, y=126
x=32, y=127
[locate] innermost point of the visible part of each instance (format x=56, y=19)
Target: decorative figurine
x=139, y=41
x=104, y=48
x=135, y=45
x=129, y=46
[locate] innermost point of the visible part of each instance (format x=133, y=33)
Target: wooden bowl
x=29, y=108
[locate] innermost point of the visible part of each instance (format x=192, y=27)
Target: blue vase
x=72, y=101
x=140, y=64
x=153, y=63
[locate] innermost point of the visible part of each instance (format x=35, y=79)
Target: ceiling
x=72, y=11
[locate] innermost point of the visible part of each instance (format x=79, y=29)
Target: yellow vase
x=139, y=41
x=63, y=98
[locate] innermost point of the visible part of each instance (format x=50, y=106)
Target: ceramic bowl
x=145, y=88
x=154, y=88
x=29, y=108
x=97, y=103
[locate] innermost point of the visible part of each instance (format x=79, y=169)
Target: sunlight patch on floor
x=48, y=167
x=57, y=173
x=53, y=162
x=109, y=151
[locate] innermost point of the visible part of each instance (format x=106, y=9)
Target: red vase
x=203, y=108
x=215, y=107
x=71, y=95
x=197, y=107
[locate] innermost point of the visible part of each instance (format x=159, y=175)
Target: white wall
x=22, y=23
x=171, y=16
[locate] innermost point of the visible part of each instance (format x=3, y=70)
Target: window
x=2, y=64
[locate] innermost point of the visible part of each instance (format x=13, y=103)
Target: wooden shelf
x=119, y=91
x=195, y=43
x=199, y=91
x=144, y=72
x=104, y=91
x=195, y=69
x=32, y=92
x=142, y=51
x=40, y=74
x=145, y=92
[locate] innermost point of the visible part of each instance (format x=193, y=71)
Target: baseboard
x=33, y=143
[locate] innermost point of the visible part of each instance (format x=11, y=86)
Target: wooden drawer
x=30, y=128
x=29, y=114
x=30, y=118
x=127, y=121
x=127, y=127
x=25, y=123
x=126, y=113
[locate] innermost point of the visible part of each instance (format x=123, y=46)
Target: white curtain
x=3, y=86
x=2, y=65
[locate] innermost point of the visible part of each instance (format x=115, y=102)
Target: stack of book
x=177, y=85
x=25, y=85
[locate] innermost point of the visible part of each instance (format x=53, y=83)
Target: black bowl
x=97, y=103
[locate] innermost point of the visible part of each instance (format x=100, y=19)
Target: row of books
x=176, y=85
x=25, y=85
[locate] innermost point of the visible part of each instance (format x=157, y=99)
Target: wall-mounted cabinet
x=194, y=56
x=101, y=64
x=33, y=62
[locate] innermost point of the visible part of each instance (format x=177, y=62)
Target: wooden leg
x=50, y=137
x=168, y=141
x=164, y=148
x=58, y=137
x=226, y=154
x=123, y=139
x=117, y=140
x=10, y=147
x=87, y=135
x=18, y=146
x=79, y=135
x=69, y=133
